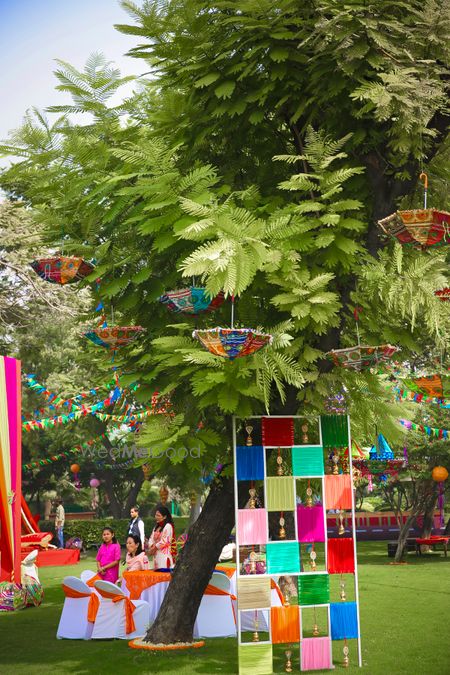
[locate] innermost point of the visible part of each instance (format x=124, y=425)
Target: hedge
x=90, y=531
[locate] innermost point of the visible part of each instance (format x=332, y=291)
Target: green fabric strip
x=255, y=659
x=280, y=493
x=334, y=431
x=283, y=558
x=314, y=589
x=307, y=461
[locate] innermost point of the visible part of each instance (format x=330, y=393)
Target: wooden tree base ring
x=138, y=643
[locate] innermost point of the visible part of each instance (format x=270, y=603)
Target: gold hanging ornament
x=252, y=557
x=288, y=664
x=255, y=637
x=249, y=429
x=163, y=494
x=282, y=531
x=252, y=500
x=305, y=438
x=312, y=559
x=342, y=594
x=309, y=492
x=341, y=529
x=315, y=627
x=146, y=470
x=335, y=460
x=280, y=471
x=346, y=660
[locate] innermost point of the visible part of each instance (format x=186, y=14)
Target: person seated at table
x=108, y=556
x=162, y=542
x=136, y=559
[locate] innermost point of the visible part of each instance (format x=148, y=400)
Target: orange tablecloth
x=139, y=581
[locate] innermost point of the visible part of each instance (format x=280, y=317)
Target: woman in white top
x=162, y=544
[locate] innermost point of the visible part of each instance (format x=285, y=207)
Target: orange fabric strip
x=229, y=571
x=92, y=581
x=285, y=622
x=94, y=604
x=213, y=590
x=129, y=609
x=72, y=593
x=275, y=587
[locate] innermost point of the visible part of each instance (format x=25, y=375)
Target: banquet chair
x=216, y=614
x=80, y=605
x=118, y=616
x=86, y=575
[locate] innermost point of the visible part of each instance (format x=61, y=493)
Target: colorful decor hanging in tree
x=443, y=294
x=420, y=227
x=113, y=337
x=193, y=300
x=62, y=269
x=361, y=357
x=381, y=449
x=232, y=343
x=437, y=386
x=429, y=431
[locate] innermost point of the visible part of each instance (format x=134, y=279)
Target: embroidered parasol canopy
x=232, y=343
x=113, y=337
x=443, y=294
x=193, y=300
x=361, y=357
x=62, y=269
x=419, y=227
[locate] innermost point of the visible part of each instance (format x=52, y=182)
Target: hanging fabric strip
x=314, y=589
x=340, y=556
x=255, y=659
x=280, y=493
x=316, y=653
x=334, y=431
x=285, y=624
x=278, y=431
x=338, y=492
x=307, y=461
x=344, y=623
x=283, y=557
x=250, y=462
x=253, y=593
x=252, y=526
x=310, y=524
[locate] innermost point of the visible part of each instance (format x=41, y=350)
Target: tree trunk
x=195, y=509
x=403, y=536
x=428, y=519
x=132, y=495
x=196, y=563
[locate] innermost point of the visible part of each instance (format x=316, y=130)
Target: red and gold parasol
x=62, y=269
x=361, y=357
x=113, y=337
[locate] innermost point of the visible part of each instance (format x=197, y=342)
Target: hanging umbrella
x=361, y=357
x=419, y=227
x=443, y=294
x=113, y=337
x=232, y=343
x=193, y=300
x=436, y=385
x=62, y=269
x=381, y=450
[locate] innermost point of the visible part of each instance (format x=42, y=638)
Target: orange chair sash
x=93, y=605
x=129, y=608
x=92, y=581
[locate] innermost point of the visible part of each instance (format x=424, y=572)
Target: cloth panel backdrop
x=314, y=589
x=253, y=593
x=285, y=624
x=255, y=659
x=316, y=653
x=338, y=492
x=334, y=431
x=252, y=526
x=340, y=557
x=278, y=431
x=283, y=557
x=250, y=462
x=344, y=622
x=310, y=524
x=280, y=493
x=307, y=461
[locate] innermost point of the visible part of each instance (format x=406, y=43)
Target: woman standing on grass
x=162, y=543
x=108, y=556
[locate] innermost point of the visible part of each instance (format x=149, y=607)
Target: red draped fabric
x=341, y=556
x=278, y=431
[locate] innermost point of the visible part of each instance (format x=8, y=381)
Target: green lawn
x=404, y=619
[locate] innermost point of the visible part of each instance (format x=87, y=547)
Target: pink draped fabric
x=310, y=524
x=252, y=526
x=316, y=653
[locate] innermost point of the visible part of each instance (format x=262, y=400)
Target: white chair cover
x=215, y=617
x=220, y=580
x=73, y=624
x=111, y=617
x=29, y=570
x=86, y=575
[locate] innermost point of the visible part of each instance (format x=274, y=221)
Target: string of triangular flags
x=430, y=431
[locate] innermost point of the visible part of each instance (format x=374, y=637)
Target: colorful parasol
x=193, y=300
x=62, y=269
x=361, y=357
x=381, y=450
x=113, y=337
x=443, y=294
x=436, y=385
x=232, y=343
x=419, y=227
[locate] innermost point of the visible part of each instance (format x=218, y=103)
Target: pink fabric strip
x=338, y=492
x=316, y=653
x=13, y=395
x=252, y=526
x=310, y=525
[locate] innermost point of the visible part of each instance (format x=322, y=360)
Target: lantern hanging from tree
x=113, y=337
x=419, y=227
x=75, y=469
x=193, y=300
x=163, y=494
x=62, y=269
x=440, y=475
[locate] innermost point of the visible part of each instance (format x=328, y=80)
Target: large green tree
x=350, y=101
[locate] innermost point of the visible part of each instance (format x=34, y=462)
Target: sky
x=33, y=33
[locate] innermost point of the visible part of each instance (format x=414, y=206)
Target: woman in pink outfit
x=162, y=543
x=108, y=556
x=136, y=559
